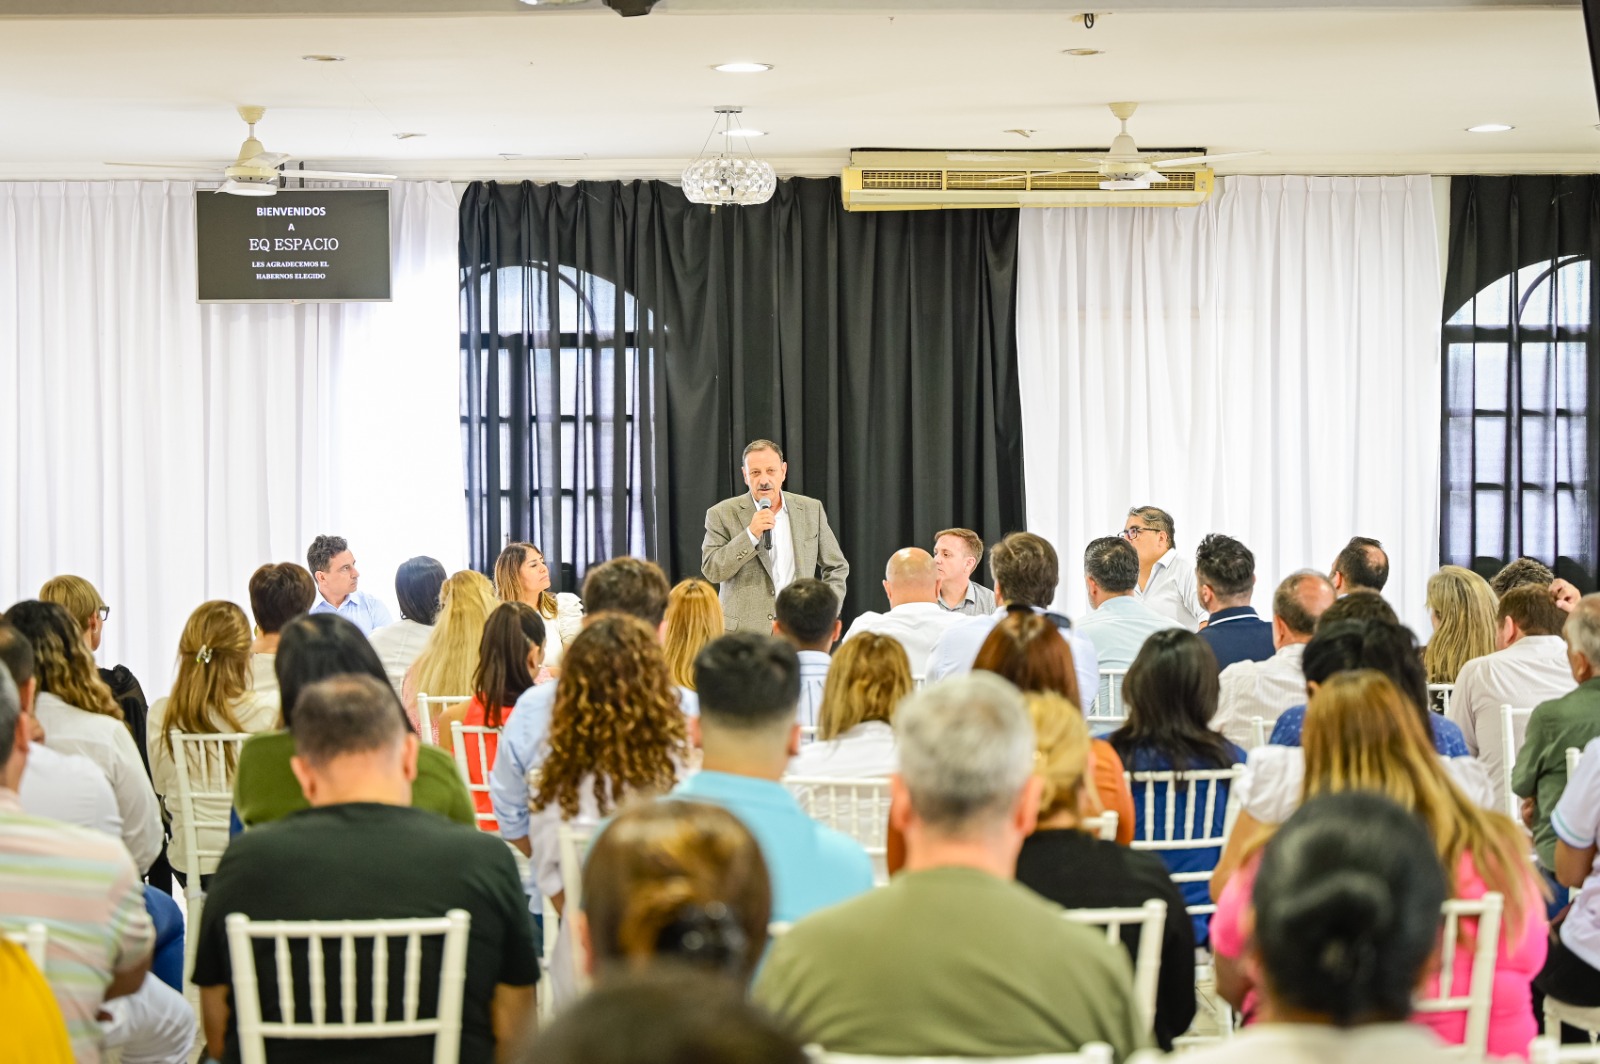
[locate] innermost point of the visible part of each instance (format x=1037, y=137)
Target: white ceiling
x=1330, y=91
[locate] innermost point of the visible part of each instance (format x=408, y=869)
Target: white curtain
x=165, y=449
x=1265, y=365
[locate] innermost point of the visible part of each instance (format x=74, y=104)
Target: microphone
x=766, y=537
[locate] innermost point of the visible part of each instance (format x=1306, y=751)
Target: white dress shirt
x=866, y=751
x=1577, y=823
x=107, y=742
x=563, y=628
x=958, y=648
x=1259, y=689
x=69, y=787
x=1118, y=628
x=1534, y=669
x=813, y=678
x=398, y=645
x=264, y=674
x=916, y=626
x=1172, y=592
x=782, y=549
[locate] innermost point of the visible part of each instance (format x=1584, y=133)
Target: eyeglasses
x=104, y=612
x=1132, y=532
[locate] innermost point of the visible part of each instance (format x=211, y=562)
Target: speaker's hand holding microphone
x=761, y=524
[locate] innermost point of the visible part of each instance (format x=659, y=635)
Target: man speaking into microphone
x=758, y=544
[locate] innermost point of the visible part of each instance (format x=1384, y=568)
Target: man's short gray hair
x=348, y=714
x=1583, y=628
x=966, y=750
x=10, y=711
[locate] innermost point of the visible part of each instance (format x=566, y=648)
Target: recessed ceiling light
x=740, y=132
x=323, y=58
x=1084, y=51
x=1491, y=127
x=408, y=136
x=742, y=68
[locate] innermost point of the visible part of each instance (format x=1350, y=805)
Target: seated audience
x=1361, y=566
x=78, y=715
x=521, y=575
x=1225, y=571
x=1120, y=622
x=210, y=696
x=957, y=552
x=1529, y=667
x=1171, y=694
x=953, y=957
x=694, y=618
x=1571, y=972
x=314, y=647
x=807, y=616
x=417, y=584
x=1166, y=578
x=1573, y=719
x=279, y=593
x=1026, y=573
x=1463, y=610
x=1521, y=572
x=629, y=586
x=449, y=658
x=747, y=733
x=354, y=855
x=1346, y=923
x=90, y=611
x=1363, y=734
x=333, y=567
x=915, y=618
x=508, y=660
x=855, y=737
x=1030, y=652
x=674, y=883
x=1062, y=861
x=1265, y=689
x=666, y=1017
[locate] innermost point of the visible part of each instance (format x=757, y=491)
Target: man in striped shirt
x=80, y=884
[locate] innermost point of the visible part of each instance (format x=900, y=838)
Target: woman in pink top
x=1361, y=736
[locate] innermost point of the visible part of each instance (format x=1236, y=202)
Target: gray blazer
x=744, y=571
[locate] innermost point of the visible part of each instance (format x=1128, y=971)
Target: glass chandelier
x=725, y=178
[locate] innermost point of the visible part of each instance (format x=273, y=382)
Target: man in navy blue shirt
x=1225, y=571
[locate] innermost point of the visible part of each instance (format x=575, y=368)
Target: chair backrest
x=1513, y=730
x=445, y=1025
x=857, y=807
x=575, y=838
x=1548, y=1050
x=808, y=733
x=1440, y=694
x=35, y=939
x=1107, y=707
x=464, y=759
x=1102, y=827
x=1209, y=792
x=1151, y=918
x=1475, y=999
x=1574, y=755
x=428, y=709
x=1088, y=1053
x=1258, y=732
x=205, y=765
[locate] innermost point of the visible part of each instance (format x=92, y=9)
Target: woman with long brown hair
x=868, y=677
x=1465, y=617
x=694, y=618
x=522, y=575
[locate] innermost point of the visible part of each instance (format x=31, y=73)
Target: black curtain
x=879, y=349
x=1521, y=343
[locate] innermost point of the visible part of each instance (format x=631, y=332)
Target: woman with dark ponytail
x=1346, y=920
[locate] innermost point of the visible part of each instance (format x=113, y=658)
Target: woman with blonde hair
x=212, y=695
x=449, y=659
x=694, y=618
x=1063, y=862
x=868, y=677
x=1361, y=734
x=521, y=575
x=1465, y=617
x=83, y=601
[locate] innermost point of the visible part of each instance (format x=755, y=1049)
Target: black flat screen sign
x=299, y=246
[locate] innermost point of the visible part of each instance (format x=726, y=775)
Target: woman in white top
x=417, y=584
x=211, y=696
x=521, y=575
x=869, y=676
x=279, y=592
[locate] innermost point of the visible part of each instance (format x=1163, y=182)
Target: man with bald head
x=915, y=619
x=1266, y=688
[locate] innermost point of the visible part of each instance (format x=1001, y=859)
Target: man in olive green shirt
x=1571, y=720
x=954, y=958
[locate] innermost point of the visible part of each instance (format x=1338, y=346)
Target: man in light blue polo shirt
x=1120, y=623
x=748, y=686
x=333, y=566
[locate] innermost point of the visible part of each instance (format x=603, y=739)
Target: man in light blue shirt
x=333, y=567
x=1120, y=622
x=1026, y=572
x=748, y=685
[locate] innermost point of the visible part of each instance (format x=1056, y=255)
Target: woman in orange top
x=508, y=660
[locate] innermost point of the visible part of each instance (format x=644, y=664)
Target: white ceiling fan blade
x=1141, y=183
x=209, y=168
x=1201, y=160
x=267, y=160
x=336, y=175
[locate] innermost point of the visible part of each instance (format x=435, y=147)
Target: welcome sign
x=298, y=246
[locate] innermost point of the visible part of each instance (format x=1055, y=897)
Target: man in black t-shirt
x=360, y=853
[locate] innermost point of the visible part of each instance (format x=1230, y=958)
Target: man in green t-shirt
x=954, y=958
x=361, y=852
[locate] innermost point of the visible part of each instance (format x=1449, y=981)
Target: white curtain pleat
x=1265, y=365
x=165, y=449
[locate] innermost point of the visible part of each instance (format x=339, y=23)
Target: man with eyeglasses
x=1166, y=578
x=333, y=567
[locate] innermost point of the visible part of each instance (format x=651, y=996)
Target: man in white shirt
x=279, y=592
x=1026, y=573
x=1529, y=667
x=915, y=618
x=808, y=619
x=1266, y=688
x=1120, y=622
x=957, y=552
x=1166, y=578
x=1571, y=971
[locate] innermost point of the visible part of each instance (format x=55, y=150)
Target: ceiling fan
x=255, y=171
